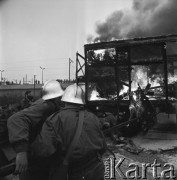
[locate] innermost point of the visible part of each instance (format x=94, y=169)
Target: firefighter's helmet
x=82, y=85
x=51, y=89
x=74, y=94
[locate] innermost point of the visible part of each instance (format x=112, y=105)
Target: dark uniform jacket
x=24, y=125
x=59, y=129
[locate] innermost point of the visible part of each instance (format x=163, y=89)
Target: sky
x=45, y=33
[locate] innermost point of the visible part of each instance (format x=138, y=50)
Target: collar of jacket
x=74, y=107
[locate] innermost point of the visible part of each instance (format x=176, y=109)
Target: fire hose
x=7, y=169
x=119, y=125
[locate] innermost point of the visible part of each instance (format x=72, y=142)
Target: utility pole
x=1, y=75
x=42, y=73
x=26, y=79
x=34, y=84
x=70, y=61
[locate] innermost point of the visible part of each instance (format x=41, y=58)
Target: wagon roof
x=131, y=42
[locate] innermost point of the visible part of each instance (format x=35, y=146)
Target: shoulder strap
x=76, y=137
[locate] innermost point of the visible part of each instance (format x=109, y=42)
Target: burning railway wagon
x=131, y=78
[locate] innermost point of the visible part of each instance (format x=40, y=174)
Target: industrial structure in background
x=133, y=79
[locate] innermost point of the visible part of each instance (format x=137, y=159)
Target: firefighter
x=27, y=100
x=24, y=125
x=58, y=130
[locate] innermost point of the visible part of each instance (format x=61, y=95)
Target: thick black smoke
x=146, y=18
x=1, y=1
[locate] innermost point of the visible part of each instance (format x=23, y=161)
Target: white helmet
x=51, y=89
x=82, y=85
x=74, y=94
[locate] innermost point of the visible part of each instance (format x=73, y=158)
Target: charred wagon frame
x=113, y=69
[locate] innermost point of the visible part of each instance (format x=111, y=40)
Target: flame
x=134, y=96
x=156, y=82
x=172, y=78
x=124, y=90
x=140, y=76
x=95, y=96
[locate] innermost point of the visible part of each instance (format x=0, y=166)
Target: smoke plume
x=146, y=18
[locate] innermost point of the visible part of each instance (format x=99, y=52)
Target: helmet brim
x=52, y=96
